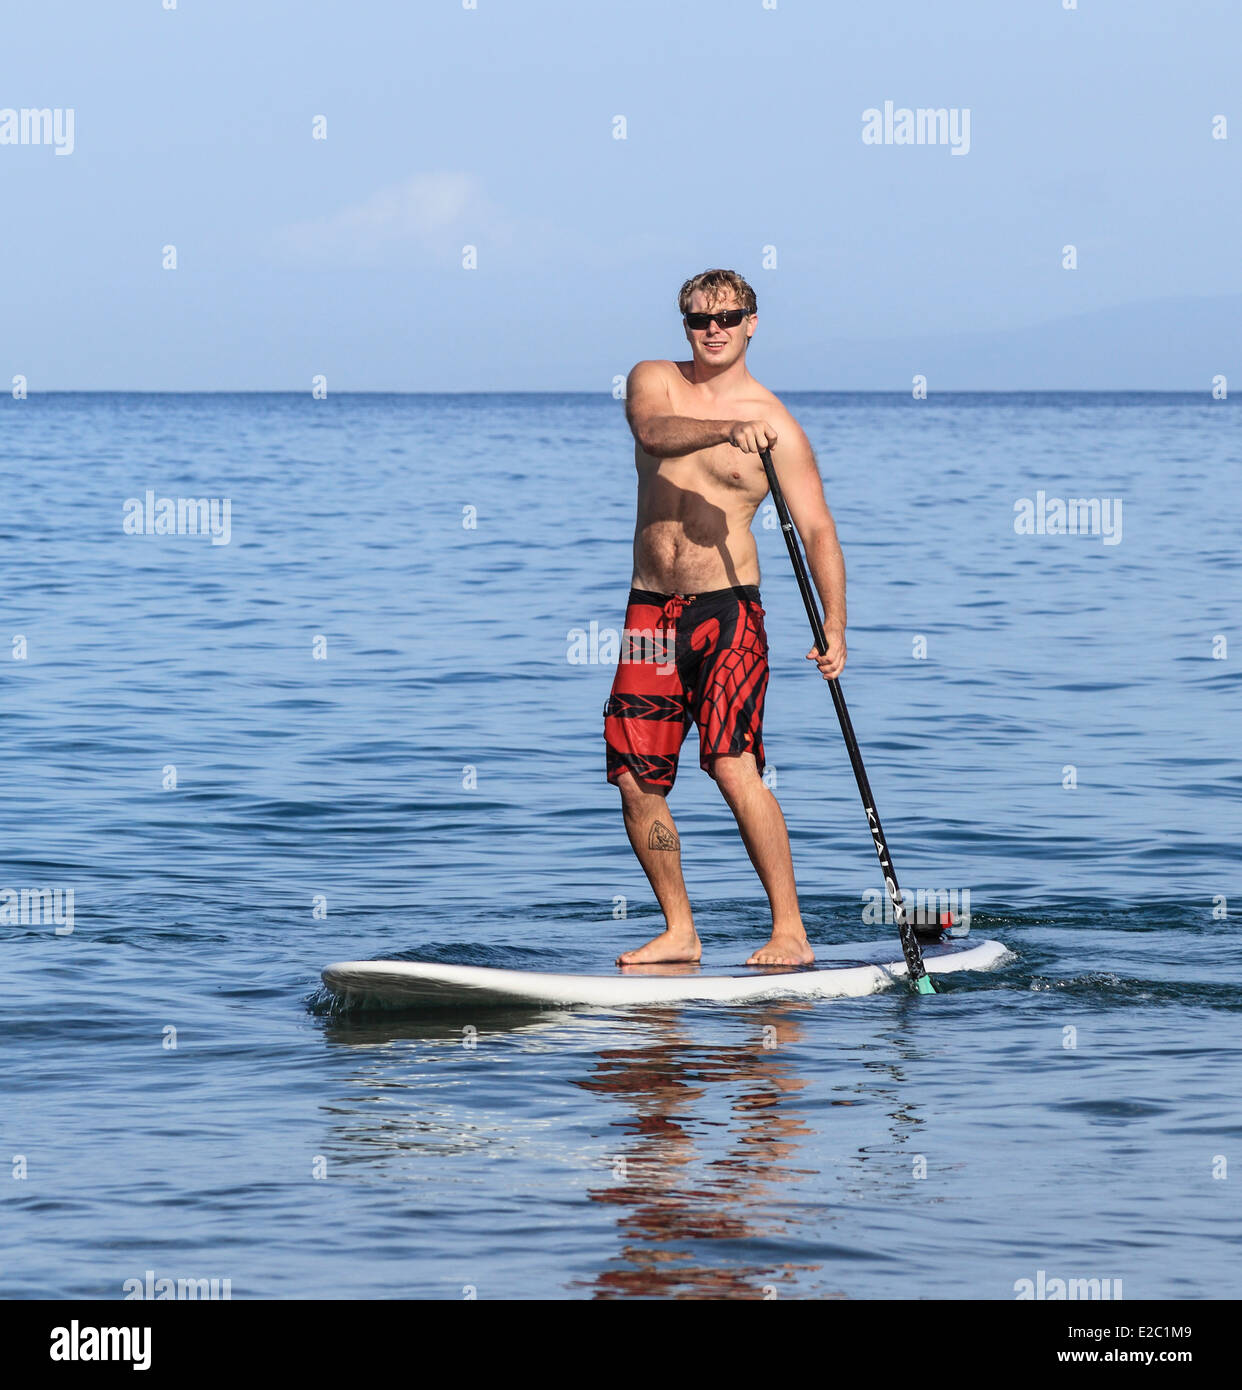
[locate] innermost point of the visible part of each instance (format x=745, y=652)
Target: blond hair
x=717, y=285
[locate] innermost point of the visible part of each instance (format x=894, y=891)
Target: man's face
x=717, y=345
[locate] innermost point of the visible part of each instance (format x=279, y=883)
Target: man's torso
x=694, y=513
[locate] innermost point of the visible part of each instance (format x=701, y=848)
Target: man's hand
x=752, y=436
x=830, y=666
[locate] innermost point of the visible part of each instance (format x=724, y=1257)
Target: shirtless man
x=698, y=430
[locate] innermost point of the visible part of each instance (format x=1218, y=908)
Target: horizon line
x=903, y=392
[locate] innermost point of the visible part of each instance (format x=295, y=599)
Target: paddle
x=919, y=977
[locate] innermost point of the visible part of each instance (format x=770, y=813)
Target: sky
x=495, y=126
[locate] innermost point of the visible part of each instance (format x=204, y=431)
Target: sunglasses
x=726, y=318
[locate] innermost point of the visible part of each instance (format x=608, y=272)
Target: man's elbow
x=647, y=435
x=821, y=533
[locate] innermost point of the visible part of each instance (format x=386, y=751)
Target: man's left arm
x=804, y=492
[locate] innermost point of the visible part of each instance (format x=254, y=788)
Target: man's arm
x=804, y=492
x=663, y=435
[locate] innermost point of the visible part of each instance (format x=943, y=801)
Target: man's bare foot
x=786, y=948
x=675, y=944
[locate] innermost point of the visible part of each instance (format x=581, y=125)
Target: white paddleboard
x=840, y=972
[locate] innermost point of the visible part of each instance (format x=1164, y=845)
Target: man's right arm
x=662, y=435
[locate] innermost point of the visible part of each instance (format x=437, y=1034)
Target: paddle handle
x=919, y=977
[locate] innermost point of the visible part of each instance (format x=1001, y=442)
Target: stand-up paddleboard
x=841, y=972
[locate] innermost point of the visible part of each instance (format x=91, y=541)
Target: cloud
x=427, y=212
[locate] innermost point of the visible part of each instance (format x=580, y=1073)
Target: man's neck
x=719, y=381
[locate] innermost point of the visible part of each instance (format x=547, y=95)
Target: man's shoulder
x=654, y=367
x=773, y=402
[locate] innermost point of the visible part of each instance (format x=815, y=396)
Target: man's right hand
x=752, y=436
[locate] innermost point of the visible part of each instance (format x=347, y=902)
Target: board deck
x=840, y=972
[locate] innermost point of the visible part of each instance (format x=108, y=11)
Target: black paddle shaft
x=909, y=942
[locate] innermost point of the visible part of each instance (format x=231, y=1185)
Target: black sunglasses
x=726, y=318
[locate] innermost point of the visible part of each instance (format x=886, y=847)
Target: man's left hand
x=832, y=664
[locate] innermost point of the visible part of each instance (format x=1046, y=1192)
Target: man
x=696, y=648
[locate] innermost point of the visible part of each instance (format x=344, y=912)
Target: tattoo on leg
x=662, y=837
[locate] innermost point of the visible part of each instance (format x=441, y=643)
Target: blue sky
x=494, y=127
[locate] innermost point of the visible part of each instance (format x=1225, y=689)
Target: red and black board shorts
x=699, y=659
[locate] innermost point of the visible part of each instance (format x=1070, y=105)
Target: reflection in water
x=380, y=1028
x=408, y=1107
x=713, y=1136
x=662, y=1084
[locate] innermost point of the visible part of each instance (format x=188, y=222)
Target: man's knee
x=733, y=772
x=635, y=792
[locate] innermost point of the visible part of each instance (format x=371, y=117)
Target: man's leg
x=654, y=837
x=767, y=842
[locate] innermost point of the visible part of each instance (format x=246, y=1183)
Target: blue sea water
x=355, y=730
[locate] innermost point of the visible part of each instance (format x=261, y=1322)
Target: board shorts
x=700, y=659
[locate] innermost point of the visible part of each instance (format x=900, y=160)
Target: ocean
x=361, y=717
